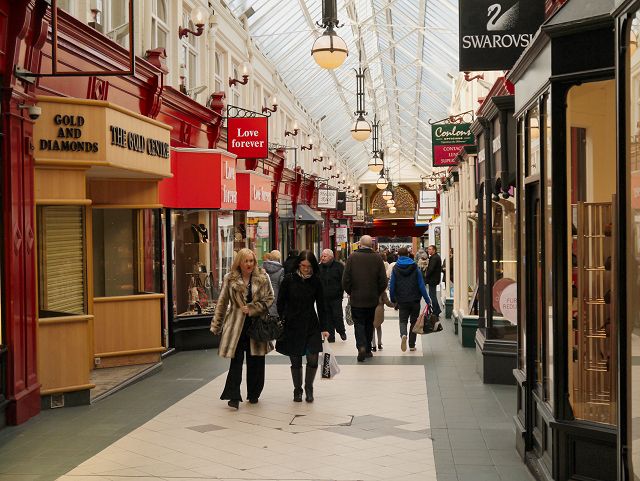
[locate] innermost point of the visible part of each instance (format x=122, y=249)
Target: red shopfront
x=203, y=230
x=27, y=44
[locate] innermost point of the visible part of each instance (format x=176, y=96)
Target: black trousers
x=363, y=326
x=409, y=311
x=433, y=294
x=312, y=361
x=255, y=372
x=335, y=316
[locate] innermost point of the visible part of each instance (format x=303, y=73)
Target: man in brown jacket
x=364, y=280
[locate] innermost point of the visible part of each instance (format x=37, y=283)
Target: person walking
x=275, y=271
x=406, y=288
x=246, y=293
x=290, y=262
x=379, y=319
x=331, y=272
x=433, y=277
x=300, y=295
x=364, y=280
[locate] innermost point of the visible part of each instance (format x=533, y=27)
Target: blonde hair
x=242, y=255
x=275, y=255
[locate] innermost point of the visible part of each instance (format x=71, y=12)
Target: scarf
x=304, y=276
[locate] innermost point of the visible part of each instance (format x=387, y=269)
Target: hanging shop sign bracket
x=464, y=117
x=30, y=77
x=235, y=112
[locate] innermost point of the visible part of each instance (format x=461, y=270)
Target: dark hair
x=403, y=251
x=293, y=253
x=435, y=249
x=307, y=256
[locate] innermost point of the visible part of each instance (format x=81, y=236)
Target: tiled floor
x=420, y=415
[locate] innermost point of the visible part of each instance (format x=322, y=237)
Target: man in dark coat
x=433, y=277
x=406, y=288
x=364, y=280
x=331, y=272
x=290, y=263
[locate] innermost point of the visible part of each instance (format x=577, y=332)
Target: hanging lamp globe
x=382, y=182
x=392, y=210
x=329, y=50
x=391, y=203
x=361, y=129
x=387, y=194
x=376, y=164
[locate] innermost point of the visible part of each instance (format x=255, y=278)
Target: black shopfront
x=568, y=203
x=496, y=337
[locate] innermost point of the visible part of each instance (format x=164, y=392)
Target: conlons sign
x=447, y=139
x=247, y=137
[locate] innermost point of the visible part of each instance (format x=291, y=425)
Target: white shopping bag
x=328, y=362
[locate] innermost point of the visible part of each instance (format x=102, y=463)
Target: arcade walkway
x=410, y=416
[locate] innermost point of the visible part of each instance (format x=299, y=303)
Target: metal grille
x=594, y=356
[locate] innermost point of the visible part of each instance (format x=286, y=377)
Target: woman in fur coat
x=299, y=298
x=246, y=292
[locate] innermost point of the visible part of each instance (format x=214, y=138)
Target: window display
x=591, y=249
x=202, y=254
x=126, y=252
x=61, y=261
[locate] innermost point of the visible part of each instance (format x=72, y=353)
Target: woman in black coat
x=299, y=297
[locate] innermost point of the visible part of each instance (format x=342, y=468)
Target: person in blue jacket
x=406, y=288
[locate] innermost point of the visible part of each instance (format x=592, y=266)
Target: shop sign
x=428, y=199
x=96, y=132
x=509, y=303
x=341, y=235
x=447, y=139
x=202, y=178
x=254, y=191
x=493, y=33
x=497, y=145
x=359, y=216
x=247, y=137
x=341, y=202
x=263, y=229
x=327, y=198
x=351, y=208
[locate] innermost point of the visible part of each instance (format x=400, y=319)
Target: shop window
x=61, y=261
x=632, y=308
x=472, y=266
x=126, y=252
x=522, y=318
x=592, y=363
x=533, y=155
x=159, y=23
x=226, y=236
x=196, y=279
x=548, y=249
x=258, y=234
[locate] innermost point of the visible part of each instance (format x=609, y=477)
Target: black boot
x=296, y=375
x=308, y=383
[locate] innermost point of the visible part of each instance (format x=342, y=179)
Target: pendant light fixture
x=375, y=164
x=329, y=50
x=392, y=210
x=361, y=130
x=382, y=182
x=387, y=194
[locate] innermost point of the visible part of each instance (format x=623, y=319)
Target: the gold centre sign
x=99, y=135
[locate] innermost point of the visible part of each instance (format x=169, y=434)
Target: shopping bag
x=347, y=313
x=427, y=322
x=330, y=367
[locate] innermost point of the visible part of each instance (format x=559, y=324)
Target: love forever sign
x=248, y=137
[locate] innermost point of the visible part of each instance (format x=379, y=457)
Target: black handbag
x=264, y=329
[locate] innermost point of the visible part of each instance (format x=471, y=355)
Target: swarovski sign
x=493, y=33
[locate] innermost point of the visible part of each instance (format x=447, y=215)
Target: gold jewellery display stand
x=593, y=327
